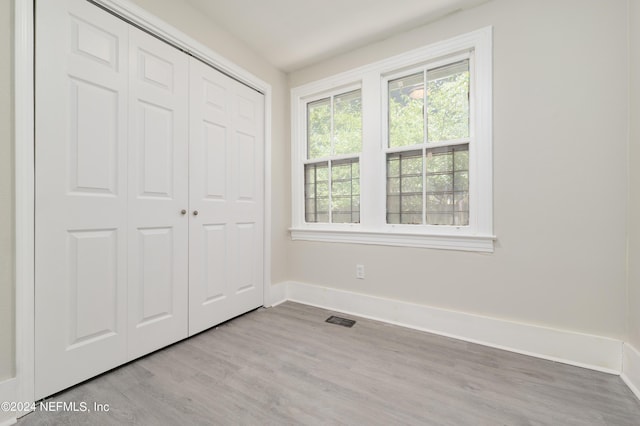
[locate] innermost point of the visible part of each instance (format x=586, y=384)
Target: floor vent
x=340, y=321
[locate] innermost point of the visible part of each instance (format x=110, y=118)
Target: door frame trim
x=24, y=106
x=24, y=122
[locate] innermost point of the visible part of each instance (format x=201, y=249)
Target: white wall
x=560, y=184
x=7, y=339
x=634, y=175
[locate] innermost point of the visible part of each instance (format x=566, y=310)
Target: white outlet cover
x=360, y=272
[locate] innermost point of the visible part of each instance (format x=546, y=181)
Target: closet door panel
x=226, y=189
x=81, y=193
x=158, y=192
x=149, y=194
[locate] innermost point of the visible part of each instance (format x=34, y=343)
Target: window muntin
x=429, y=186
x=332, y=169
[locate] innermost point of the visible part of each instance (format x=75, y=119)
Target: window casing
x=423, y=175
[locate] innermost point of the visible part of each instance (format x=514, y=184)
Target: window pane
x=319, y=129
x=448, y=102
x=393, y=205
x=393, y=166
x=448, y=189
x=316, y=185
x=411, y=204
x=461, y=200
x=411, y=163
x=345, y=191
x=393, y=185
x=347, y=123
x=439, y=161
x=406, y=111
x=439, y=182
x=461, y=180
x=439, y=219
x=411, y=184
x=461, y=160
x=461, y=218
x=404, y=187
x=440, y=202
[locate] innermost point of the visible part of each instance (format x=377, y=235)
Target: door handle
x=183, y=211
x=195, y=212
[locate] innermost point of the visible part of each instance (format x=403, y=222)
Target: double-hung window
x=398, y=152
x=427, y=154
x=332, y=166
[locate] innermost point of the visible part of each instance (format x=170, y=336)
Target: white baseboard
x=277, y=294
x=582, y=350
x=8, y=393
x=631, y=368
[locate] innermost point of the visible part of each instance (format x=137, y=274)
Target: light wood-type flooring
x=286, y=366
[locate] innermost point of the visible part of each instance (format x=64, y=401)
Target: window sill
x=477, y=243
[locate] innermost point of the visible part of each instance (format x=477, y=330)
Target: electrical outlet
x=360, y=272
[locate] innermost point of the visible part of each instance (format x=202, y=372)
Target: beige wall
x=634, y=175
x=560, y=180
x=6, y=193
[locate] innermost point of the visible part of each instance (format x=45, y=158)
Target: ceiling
x=292, y=34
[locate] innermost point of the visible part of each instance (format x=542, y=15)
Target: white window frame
x=373, y=80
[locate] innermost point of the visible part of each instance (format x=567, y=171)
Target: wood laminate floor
x=285, y=365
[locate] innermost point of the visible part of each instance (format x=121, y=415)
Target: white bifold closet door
x=226, y=191
x=82, y=80
x=158, y=177
x=132, y=138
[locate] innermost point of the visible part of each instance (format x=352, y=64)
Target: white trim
x=568, y=347
x=164, y=31
x=477, y=46
x=279, y=294
x=333, y=92
x=480, y=243
x=8, y=393
x=631, y=368
x=429, y=146
x=24, y=158
x=25, y=197
x=413, y=57
x=266, y=297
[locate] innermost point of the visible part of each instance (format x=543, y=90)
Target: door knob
x=183, y=211
x=195, y=212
